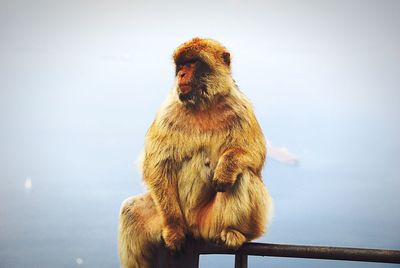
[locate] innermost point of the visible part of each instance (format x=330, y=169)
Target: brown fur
x=202, y=165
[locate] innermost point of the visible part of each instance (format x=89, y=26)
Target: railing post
x=188, y=259
x=240, y=260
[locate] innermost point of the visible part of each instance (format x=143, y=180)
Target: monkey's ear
x=227, y=58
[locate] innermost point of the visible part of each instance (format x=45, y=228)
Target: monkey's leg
x=161, y=177
x=139, y=232
x=245, y=209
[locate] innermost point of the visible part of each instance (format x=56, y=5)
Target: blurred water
x=81, y=81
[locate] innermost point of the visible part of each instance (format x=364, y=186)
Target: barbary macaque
x=202, y=163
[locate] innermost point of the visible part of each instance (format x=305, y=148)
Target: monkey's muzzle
x=185, y=88
x=185, y=92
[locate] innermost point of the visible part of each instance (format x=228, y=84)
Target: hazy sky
x=81, y=81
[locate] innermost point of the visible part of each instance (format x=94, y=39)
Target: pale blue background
x=81, y=81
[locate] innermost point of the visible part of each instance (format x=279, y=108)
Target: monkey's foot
x=231, y=238
x=174, y=238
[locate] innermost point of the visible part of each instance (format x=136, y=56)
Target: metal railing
x=196, y=248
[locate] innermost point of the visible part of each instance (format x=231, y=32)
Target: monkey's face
x=191, y=80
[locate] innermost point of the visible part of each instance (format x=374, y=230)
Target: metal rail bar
x=196, y=248
x=309, y=252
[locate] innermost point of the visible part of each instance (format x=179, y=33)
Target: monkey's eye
x=188, y=63
x=192, y=61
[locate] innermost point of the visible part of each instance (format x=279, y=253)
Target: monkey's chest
x=194, y=178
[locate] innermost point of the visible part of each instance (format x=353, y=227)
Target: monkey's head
x=203, y=72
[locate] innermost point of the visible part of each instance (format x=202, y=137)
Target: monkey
x=202, y=163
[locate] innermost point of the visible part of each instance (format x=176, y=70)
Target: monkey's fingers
x=221, y=186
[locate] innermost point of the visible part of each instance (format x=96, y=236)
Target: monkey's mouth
x=185, y=88
x=186, y=93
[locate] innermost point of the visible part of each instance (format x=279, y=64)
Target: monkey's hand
x=173, y=237
x=227, y=172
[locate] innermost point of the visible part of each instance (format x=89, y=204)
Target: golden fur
x=202, y=165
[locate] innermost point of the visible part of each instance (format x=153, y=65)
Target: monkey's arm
x=160, y=174
x=248, y=152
